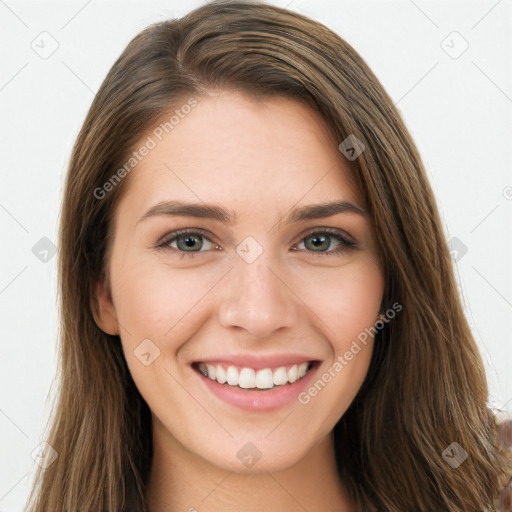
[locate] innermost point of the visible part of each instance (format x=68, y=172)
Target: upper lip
x=257, y=362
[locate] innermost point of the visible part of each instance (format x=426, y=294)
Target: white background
x=459, y=111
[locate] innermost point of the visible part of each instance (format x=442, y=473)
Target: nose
x=257, y=298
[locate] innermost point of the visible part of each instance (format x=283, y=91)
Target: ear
x=103, y=309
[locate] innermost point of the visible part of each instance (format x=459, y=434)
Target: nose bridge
x=256, y=298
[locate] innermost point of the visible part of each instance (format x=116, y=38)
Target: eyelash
x=345, y=243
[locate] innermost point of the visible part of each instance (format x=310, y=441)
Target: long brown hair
x=426, y=387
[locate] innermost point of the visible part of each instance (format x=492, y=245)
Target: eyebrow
x=221, y=214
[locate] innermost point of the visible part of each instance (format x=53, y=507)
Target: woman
x=258, y=305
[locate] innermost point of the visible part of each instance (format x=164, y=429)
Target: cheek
x=153, y=300
x=346, y=300
x=164, y=305
x=358, y=305
x=348, y=304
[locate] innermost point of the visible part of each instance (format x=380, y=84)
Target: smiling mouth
x=254, y=379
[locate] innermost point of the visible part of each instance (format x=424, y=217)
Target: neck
x=182, y=481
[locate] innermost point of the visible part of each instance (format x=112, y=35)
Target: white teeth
x=211, y=371
x=280, y=376
x=264, y=379
x=292, y=373
x=302, y=369
x=248, y=378
x=221, y=374
x=232, y=376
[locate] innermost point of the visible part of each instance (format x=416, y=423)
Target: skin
x=261, y=160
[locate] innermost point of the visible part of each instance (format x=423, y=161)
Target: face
x=238, y=299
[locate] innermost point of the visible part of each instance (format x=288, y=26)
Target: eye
x=321, y=242
x=187, y=242
x=326, y=242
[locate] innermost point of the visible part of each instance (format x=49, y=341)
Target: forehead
x=248, y=154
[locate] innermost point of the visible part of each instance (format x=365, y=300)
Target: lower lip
x=259, y=400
